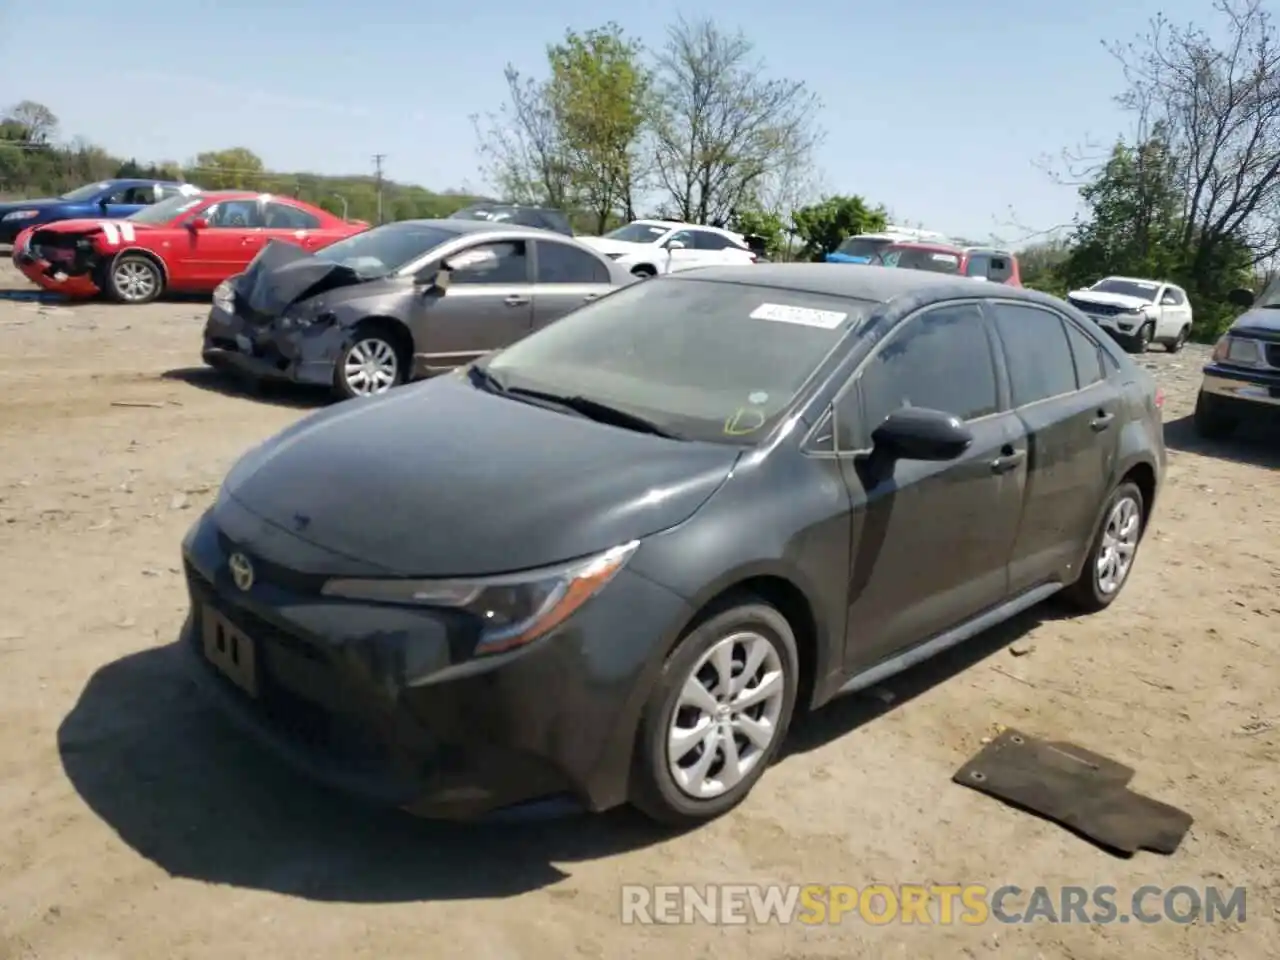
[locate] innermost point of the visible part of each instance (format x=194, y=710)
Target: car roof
x=863, y=282
x=932, y=246
x=1136, y=280
x=481, y=226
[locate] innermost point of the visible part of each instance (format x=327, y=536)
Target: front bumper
x=50, y=276
x=381, y=701
x=271, y=351
x=1250, y=392
x=1121, y=326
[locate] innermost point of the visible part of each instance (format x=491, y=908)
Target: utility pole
x=377, y=172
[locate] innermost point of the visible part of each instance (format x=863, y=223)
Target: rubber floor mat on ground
x=1077, y=788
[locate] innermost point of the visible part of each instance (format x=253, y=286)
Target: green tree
x=598, y=94
x=823, y=226
x=768, y=226
x=236, y=168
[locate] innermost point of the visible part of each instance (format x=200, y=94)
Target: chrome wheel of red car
x=135, y=279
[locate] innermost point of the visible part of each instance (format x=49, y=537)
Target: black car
x=609, y=562
x=514, y=214
x=1242, y=380
x=398, y=302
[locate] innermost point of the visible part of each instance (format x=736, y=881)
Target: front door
x=931, y=541
x=232, y=237
x=565, y=278
x=1175, y=314
x=488, y=305
x=1071, y=418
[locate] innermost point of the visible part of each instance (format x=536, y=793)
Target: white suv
x=650, y=247
x=1136, y=312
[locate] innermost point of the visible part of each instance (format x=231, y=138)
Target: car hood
x=443, y=479
x=40, y=203
x=283, y=273
x=119, y=227
x=606, y=245
x=1263, y=319
x=1110, y=299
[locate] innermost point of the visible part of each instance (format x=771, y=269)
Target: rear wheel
x=134, y=278
x=1181, y=340
x=1212, y=418
x=1115, y=546
x=373, y=362
x=717, y=715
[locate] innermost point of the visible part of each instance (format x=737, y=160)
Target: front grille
x=1098, y=309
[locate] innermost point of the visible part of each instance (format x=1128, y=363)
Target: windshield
x=165, y=210
x=385, y=249
x=866, y=247
x=1270, y=297
x=87, y=192
x=484, y=213
x=703, y=360
x=639, y=232
x=915, y=258
x=1142, y=289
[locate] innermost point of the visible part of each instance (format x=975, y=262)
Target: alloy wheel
x=135, y=281
x=1119, y=544
x=371, y=367
x=726, y=716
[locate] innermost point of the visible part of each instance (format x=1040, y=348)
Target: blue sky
x=937, y=109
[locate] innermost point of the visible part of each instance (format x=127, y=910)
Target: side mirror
x=197, y=223
x=1241, y=298
x=915, y=433
x=103, y=203
x=439, y=280
x=674, y=245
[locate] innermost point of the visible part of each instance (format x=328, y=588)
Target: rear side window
x=1087, y=355
x=1038, y=353
x=561, y=263
x=919, y=367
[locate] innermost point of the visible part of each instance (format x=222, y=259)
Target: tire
x=644, y=271
x=740, y=626
x=134, y=278
x=1176, y=345
x=1094, y=590
x=1212, y=419
x=1141, y=340
x=377, y=352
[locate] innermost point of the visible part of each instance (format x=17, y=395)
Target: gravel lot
x=136, y=827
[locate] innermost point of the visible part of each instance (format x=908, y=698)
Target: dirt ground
x=135, y=826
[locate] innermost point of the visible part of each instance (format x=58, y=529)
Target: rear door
x=565, y=277
x=1070, y=415
x=284, y=221
x=489, y=304
x=931, y=541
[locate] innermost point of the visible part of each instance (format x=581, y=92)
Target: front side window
x=1173, y=297
x=234, y=215
x=719, y=362
x=492, y=263
x=561, y=263
x=939, y=360
x=1037, y=352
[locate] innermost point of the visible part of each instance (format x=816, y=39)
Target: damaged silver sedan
x=398, y=302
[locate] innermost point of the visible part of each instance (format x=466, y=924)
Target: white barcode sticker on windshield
x=781, y=313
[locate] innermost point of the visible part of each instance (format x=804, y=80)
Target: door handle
x=515, y=300
x=1102, y=421
x=1008, y=460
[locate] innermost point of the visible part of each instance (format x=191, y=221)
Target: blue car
x=110, y=199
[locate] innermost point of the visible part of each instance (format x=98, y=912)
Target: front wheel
x=372, y=363
x=1212, y=420
x=1141, y=341
x=1115, y=546
x=717, y=715
x=134, y=278
x=1181, y=341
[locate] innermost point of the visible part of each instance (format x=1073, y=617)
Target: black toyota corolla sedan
x=609, y=562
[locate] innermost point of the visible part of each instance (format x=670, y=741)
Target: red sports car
x=186, y=244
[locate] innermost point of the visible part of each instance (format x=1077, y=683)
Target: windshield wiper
x=600, y=412
x=482, y=378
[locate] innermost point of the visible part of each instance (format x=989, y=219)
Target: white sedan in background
x=1137, y=312
x=649, y=247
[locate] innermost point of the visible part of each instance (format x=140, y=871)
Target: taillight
x=1222, y=348
x=1159, y=399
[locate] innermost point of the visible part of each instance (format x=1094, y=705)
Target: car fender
x=116, y=254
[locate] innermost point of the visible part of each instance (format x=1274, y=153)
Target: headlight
x=1238, y=350
x=224, y=297
x=21, y=215
x=510, y=610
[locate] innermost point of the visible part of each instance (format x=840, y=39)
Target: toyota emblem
x=241, y=570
